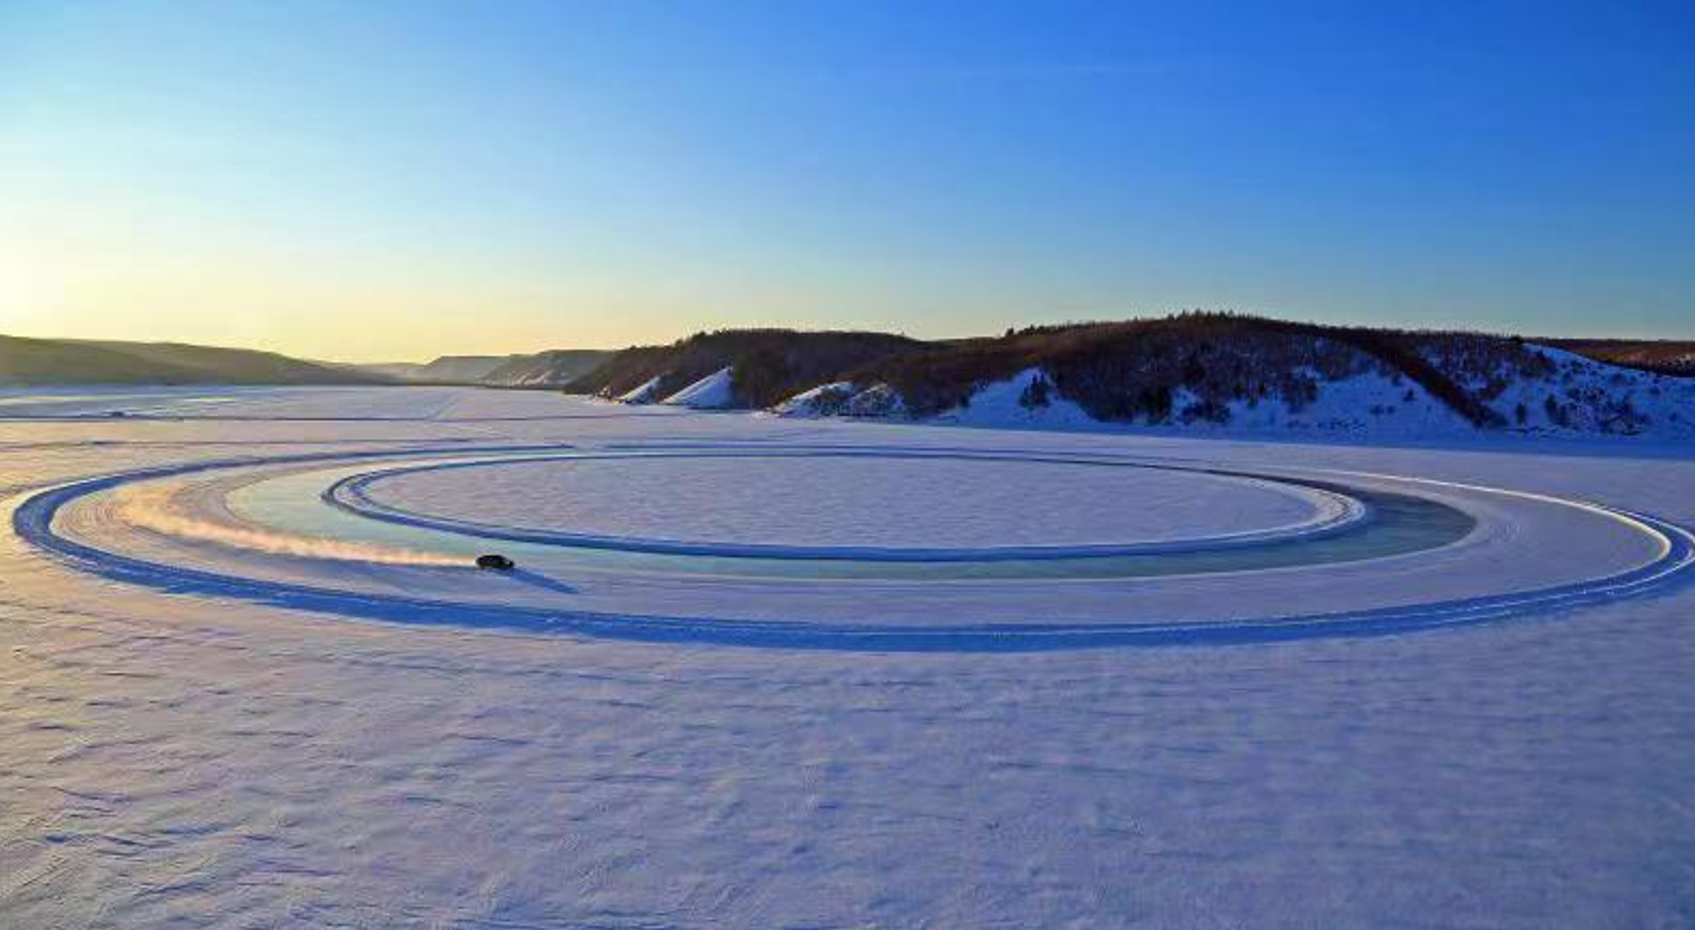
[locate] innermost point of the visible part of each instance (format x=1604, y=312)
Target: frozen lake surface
x=841, y=501
x=757, y=672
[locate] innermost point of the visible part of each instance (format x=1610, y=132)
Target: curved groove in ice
x=33, y=521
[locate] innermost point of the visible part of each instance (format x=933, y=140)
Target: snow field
x=176, y=759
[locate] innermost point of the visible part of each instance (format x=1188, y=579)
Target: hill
x=394, y=371
x=1197, y=370
x=554, y=368
x=1666, y=356
x=765, y=366
x=448, y=369
x=75, y=361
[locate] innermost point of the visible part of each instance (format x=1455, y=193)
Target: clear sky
x=367, y=180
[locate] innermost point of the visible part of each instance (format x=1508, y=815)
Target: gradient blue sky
x=395, y=180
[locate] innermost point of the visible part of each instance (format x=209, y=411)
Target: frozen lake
x=757, y=672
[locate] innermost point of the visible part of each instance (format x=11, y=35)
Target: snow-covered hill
x=1215, y=373
x=554, y=368
x=1569, y=395
x=644, y=393
x=768, y=365
x=712, y=392
x=1581, y=396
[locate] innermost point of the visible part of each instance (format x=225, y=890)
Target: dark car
x=498, y=563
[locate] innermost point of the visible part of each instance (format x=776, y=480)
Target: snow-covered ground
x=224, y=750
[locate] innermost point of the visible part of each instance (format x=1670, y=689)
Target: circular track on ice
x=921, y=506
x=1663, y=551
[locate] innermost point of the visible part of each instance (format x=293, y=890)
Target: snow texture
x=1586, y=397
x=712, y=392
x=847, y=501
x=642, y=393
x=175, y=756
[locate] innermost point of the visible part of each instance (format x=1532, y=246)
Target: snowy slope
x=462, y=369
x=1585, y=397
x=843, y=399
x=1366, y=404
x=545, y=369
x=822, y=400
x=642, y=393
x=1011, y=403
x=1579, y=397
x=713, y=392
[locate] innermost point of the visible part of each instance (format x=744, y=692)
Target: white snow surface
x=169, y=760
x=844, y=398
x=999, y=405
x=808, y=403
x=843, y=502
x=642, y=393
x=1593, y=396
x=712, y=392
x=1368, y=405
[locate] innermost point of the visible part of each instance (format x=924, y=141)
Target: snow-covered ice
x=179, y=757
x=835, y=500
